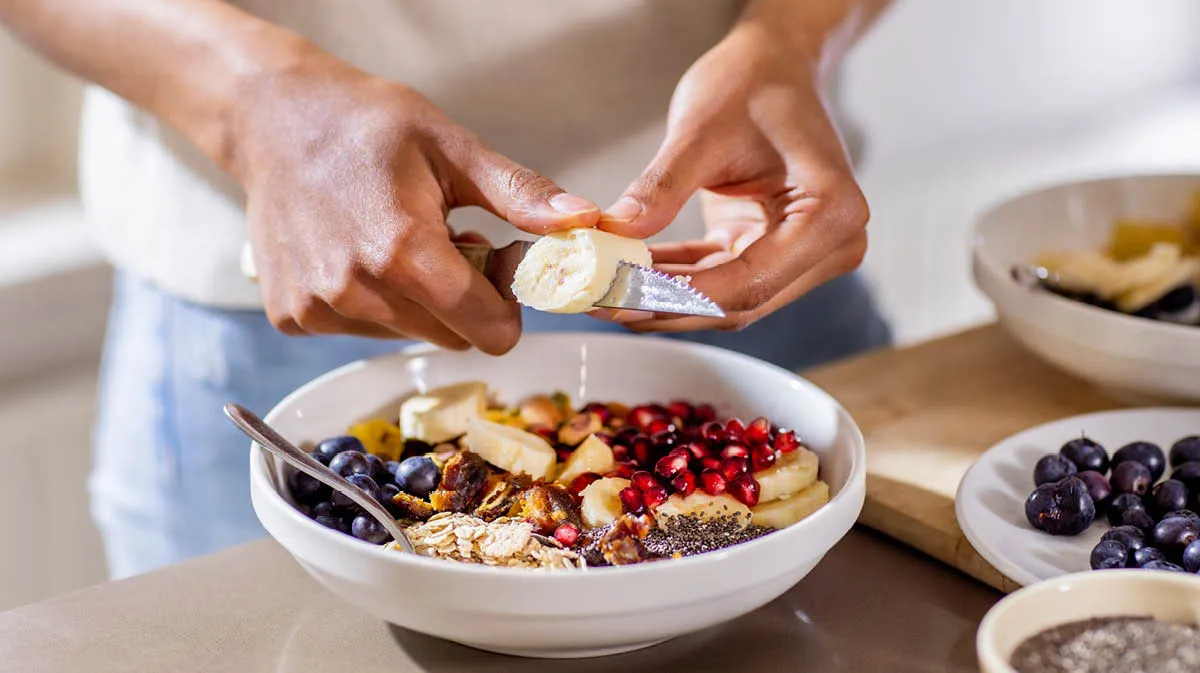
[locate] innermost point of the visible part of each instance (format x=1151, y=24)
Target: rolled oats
x=505, y=541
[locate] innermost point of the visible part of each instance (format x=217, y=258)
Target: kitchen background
x=962, y=103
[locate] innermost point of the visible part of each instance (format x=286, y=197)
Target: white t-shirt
x=575, y=89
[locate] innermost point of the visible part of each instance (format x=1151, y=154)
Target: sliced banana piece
x=442, y=413
x=1181, y=272
x=511, y=449
x=569, y=271
x=602, y=501
x=703, y=505
x=792, y=473
x=1084, y=271
x=593, y=455
x=783, y=513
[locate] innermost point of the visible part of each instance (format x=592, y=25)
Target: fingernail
x=571, y=204
x=625, y=210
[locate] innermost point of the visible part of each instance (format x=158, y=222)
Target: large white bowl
x=1169, y=596
x=567, y=614
x=1132, y=356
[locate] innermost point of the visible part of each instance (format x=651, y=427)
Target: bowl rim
x=985, y=637
x=1003, y=276
x=854, y=487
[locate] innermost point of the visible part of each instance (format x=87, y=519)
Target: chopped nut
x=541, y=410
x=579, y=427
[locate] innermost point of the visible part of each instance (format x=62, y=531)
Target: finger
x=684, y=252
x=473, y=237
x=397, y=314
x=654, y=199
x=312, y=316
x=527, y=199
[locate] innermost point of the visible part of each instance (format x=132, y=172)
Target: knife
x=635, y=287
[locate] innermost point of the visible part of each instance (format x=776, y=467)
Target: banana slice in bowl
x=569, y=271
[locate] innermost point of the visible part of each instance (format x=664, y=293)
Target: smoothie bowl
x=582, y=495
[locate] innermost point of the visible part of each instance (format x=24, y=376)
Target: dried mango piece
x=510, y=417
x=380, y=438
x=1131, y=239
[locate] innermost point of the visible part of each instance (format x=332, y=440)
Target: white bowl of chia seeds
x=1101, y=622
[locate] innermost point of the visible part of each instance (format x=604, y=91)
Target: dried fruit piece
x=622, y=544
x=379, y=438
x=464, y=477
x=546, y=506
x=410, y=507
x=579, y=427
x=541, y=410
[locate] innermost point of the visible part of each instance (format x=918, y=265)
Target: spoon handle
x=265, y=436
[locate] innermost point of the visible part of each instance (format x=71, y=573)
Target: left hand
x=784, y=214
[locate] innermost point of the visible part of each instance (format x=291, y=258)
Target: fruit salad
x=1154, y=524
x=1148, y=269
x=545, y=484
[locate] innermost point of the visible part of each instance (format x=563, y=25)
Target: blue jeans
x=170, y=480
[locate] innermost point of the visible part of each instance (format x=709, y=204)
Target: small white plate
x=990, y=503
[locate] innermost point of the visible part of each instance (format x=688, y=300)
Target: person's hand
x=784, y=214
x=349, y=180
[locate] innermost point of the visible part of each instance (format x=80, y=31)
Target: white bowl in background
x=1169, y=596
x=567, y=614
x=1146, y=358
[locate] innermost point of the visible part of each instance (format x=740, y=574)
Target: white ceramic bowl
x=1169, y=596
x=1145, y=358
x=567, y=614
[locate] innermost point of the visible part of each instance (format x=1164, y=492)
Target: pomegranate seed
x=582, y=481
x=655, y=496
x=631, y=500
x=710, y=463
x=600, y=410
x=735, y=451
x=731, y=468
x=626, y=435
x=606, y=437
x=620, y=453
x=758, y=432
x=745, y=489
x=564, y=453
x=684, y=483
x=659, y=427
x=712, y=482
x=566, y=534
x=671, y=465
x=697, y=450
x=642, y=480
x=713, y=432
x=786, y=441
x=704, y=413
x=643, y=450
x=734, y=429
x=623, y=470
x=642, y=417
x=762, y=457
x=681, y=410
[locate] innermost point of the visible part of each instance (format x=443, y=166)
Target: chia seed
x=1111, y=645
x=688, y=534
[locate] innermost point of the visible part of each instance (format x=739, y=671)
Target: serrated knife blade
x=642, y=289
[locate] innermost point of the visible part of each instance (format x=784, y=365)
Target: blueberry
x=338, y=523
x=1052, y=467
x=1186, y=450
x=1173, y=535
x=306, y=490
x=386, y=493
x=1131, y=477
x=1139, y=519
x=378, y=470
x=335, y=445
x=1061, y=508
x=360, y=480
x=1122, y=502
x=1145, y=453
x=416, y=447
x=1146, y=555
x=1131, y=537
x=1098, y=487
x=367, y=529
x=1163, y=565
x=1184, y=513
x=1086, y=454
x=347, y=463
x=1189, y=474
x=1109, y=554
x=1168, y=496
x=418, y=476
x=323, y=508
x=1191, y=557
x=320, y=458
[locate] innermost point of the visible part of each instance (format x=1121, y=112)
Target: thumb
x=655, y=198
x=525, y=198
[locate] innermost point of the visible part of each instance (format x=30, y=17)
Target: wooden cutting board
x=928, y=411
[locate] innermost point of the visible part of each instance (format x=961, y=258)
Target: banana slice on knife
x=569, y=271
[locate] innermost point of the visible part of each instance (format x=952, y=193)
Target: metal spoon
x=268, y=438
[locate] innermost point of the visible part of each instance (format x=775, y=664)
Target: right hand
x=349, y=179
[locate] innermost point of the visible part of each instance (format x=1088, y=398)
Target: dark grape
x=1140, y=519
x=1145, y=453
x=1191, y=557
x=360, y=480
x=367, y=529
x=1189, y=474
x=1131, y=537
x=347, y=463
x=1120, y=503
x=335, y=445
x=1086, y=454
x=418, y=476
x=1109, y=554
x=1186, y=450
x=1168, y=496
x=1185, y=513
x=1052, y=467
x=1172, y=535
x=1163, y=565
x=1131, y=477
x=1098, y=487
x=306, y=490
x=1146, y=555
x=386, y=493
x=1061, y=508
